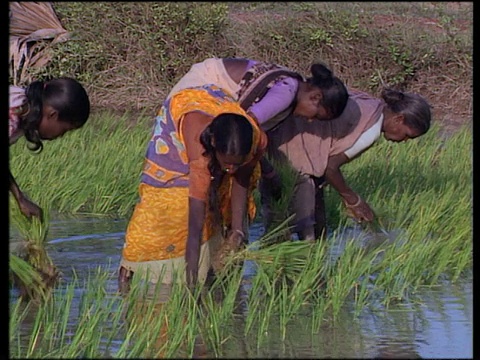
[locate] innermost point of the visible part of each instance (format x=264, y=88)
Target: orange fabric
x=190, y=100
x=158, y=228
x=199, y=179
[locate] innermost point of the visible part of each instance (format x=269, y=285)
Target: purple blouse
x=277, y=99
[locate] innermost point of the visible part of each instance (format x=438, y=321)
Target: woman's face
x=230, y=163
x=51, y=127
x=395, y=129
x=309, y=105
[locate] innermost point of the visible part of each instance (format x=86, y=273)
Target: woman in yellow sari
x=201, y=166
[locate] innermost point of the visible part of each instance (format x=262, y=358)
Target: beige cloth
x=307, y=144
x=209, y=71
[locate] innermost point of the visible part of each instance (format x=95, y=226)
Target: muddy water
x=440, y=326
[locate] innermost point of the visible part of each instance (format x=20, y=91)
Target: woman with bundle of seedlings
x=270, y=93
x=44, y=111
x=317, y=150
x=201, y=166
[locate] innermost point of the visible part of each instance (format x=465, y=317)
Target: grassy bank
x=425, y=47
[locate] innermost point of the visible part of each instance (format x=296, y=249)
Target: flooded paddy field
x=437, y=322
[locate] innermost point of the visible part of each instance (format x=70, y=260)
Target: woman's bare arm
x=192, y=126
x=27, y=207
x=356, y=206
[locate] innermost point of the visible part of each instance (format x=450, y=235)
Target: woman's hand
x=235, y=240
x=360, y=210
x=29, y=208
x=232, y=242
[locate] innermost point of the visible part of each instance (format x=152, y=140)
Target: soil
x=450, y=110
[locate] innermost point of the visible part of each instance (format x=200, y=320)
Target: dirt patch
x=429, y=24
x=451, y=102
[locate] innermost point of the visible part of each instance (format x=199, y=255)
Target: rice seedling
x=427, y=197
x=218, y=307
x=87, y=327
x=84, y=168
x=34, y=255
x=257, y=303
x=26, y=278
x=317, y=312
x=289, y=302
x=19, y=312
x=170, y=313
x=302, y=289
x=287, y=274
x=345, y=273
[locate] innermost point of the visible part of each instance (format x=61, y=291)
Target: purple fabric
x=164, y=147
x=17, y=98
x=250, y=64
x=277, y=99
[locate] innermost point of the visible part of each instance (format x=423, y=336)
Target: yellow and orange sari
x=156, y=235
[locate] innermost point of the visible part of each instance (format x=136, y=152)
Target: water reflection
x=436, y=323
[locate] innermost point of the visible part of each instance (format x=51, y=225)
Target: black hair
x=229, y=134
x=335, y=93
x=66, y=95
x=414, y=108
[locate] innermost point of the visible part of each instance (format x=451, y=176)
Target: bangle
x=353, y=205
x=242, y=234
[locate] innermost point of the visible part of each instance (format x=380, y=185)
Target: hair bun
x=320, y=71
x=392, y=96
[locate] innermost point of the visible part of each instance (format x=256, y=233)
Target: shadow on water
x=440, y=326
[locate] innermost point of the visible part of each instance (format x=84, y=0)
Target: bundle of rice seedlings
x=26, y=278
x=32, y=250
x=287, y=258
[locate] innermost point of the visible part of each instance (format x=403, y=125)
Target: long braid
x=31, y=121
x=216, y=174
